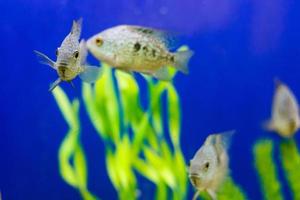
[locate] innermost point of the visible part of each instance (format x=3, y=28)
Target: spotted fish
x=138, y=49
x=71, y=59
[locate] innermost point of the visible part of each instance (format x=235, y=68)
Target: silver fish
x=285, y=111
x=209, y=166
x=138, y=49
x=71, y=59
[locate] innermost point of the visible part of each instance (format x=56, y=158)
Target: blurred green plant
x=115, y=111
x=228, y=190
x=290, y=159
x=135, y=137
x=267, y=170
x=71, y=150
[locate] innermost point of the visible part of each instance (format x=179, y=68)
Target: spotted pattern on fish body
x=134, y=48
x=137, y=46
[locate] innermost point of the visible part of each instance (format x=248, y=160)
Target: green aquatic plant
x=115, y=111
x=290, y=159
x=228, y=190
x=71, y=150
x=267, y=170
x=138, y=139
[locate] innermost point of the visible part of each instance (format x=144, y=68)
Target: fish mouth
x=62, y=64
x=194, y=175
x=195, y=180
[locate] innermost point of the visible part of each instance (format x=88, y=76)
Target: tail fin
x=182, y=59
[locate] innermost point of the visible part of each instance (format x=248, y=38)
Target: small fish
x=71, y=59
x=209, y=167
x=285, y=111
x=138, y=49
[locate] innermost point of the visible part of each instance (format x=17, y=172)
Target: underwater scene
x=150, y=99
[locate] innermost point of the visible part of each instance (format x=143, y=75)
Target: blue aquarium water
x=240, y=47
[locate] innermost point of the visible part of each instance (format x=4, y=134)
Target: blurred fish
x=209, y=167
x=138, y=49
x=71, y=59
x=285, y=111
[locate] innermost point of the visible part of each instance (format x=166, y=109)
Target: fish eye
x=206, y=166
x=76, y=54
x=56, y=52
x=99, y=42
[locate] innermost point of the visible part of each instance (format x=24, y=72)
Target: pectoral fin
x=196, y=195
x=268, y=125
x=90, y=74
x=212, y=194
x=54, y=84
x=72, y=84
x=162, y=74
x=45, y=59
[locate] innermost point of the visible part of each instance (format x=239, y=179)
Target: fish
x=71, y=59
x=209, y=167
x=138, y=49
x=285, y=111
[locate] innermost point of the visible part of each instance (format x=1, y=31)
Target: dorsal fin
x=278, y=82
x=220, y=142
x=166, y=37
x=76, y=28
x=224, y=139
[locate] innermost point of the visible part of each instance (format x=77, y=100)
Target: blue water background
x=240, y=46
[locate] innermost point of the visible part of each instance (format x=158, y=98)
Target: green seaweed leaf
x=290, y=159
x=267, y=170
x=230, y=190
x=70, y=150
x=94, y=113
x=111, y=168
x=146, y=170
x=173, y=115
x=66, y=107
x=129, y=95
x=160, y=165
x=80, y=166
x=180, y=173
x=161, y=192
x=65, y=153
x=107, y=104
x=155, y=96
